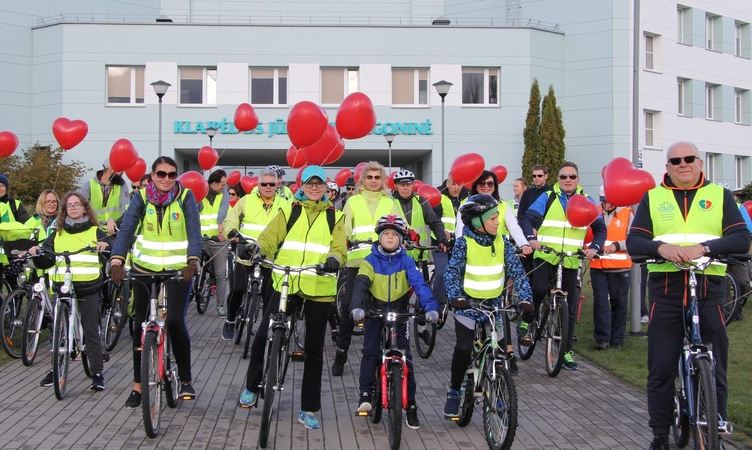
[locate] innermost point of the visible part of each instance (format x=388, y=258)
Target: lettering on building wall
x=279, y=126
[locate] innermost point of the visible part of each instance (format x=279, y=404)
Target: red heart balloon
x=319, y=153
x=467, y=168
x=336, y=153
x=588, y=238
x=390, y=181
x=69, y=133
x=417, y=184
x=295, y=157
x=248, y=183
x=431, y=194
x=581, y=212
x=137, y=171
x=207, y=157
x=306, y=123
x=623, y=184
x=355, y=116
x=246, y=118
x=294, y=188
x=358, y=170
x=196, y=183
x=8, y=143
x=342, y=176
x=501, y=173
x=603, y=172
x=300, y=175
x=122, y=155
x=234, y=178
x=748, y=207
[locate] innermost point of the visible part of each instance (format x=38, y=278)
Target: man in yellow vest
x=213, y=210
x=684, y=219
x=11, y=210
x=610, y=277
x=282, y=190
x=547, y=214
x=108, y=195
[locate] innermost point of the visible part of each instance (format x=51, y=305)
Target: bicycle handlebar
x=172, y=273
x=352, y=245
x=576, y=254
x=731, y=257
x=379, y=313
x=318, y=268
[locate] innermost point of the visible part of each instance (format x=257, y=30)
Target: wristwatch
x=705, y=250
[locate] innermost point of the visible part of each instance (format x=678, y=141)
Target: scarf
x=158, y=198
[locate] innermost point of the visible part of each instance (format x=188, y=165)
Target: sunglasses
x=267, y=184
x=232, y=194
x=136, y=187
x=161, y=174
x=538, y=176
x=373, y=177
x=488, y=183
x=571, y=176
x=687, y=159
x=351, y=189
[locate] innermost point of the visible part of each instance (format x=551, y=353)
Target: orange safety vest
x=617, y=231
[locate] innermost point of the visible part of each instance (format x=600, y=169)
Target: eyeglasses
x=488, y=183
x=50, y=202
x=73, y=205
x=232, y=194
x=538, y=176
x=267, y=184
x=373, y=177
x=314, y=184
x=571, y=176
x=161, y=174
x=687, y=159
x=404, y=183
x=351, y=189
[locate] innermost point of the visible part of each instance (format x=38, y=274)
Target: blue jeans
x=609, y=305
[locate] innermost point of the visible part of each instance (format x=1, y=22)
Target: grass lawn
x=630, y=363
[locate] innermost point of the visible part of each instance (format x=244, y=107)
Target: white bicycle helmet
x=404, y=174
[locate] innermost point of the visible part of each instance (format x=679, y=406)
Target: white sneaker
x=645, y=319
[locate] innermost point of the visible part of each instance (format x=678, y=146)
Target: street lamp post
x=442, y=87
x=160, y=88
x=211, y=132
x=389, y=139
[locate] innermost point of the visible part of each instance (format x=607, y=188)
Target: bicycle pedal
x=298, y=356
x=452, y=418
x=362, y=413
x=725, y=428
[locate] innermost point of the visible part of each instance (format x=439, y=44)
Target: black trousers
x=610, y=296
x=346, y=323
x=665, y=340
x=88, y=308
x=372, y=351
x=463, y=351
x=239, y=285
x=315, y=314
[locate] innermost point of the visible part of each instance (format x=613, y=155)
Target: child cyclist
x=387, y=275
x=476, y=272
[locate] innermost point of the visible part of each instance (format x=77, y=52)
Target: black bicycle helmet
x=391, y=222
x=475, y=207
x=350, y=182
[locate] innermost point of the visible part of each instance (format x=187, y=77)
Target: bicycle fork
x=384, y=377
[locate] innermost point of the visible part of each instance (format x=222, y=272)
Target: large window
x=125, y=84
x=649, y=128
x=336, y=84
x=649, y=63
x=480, y=86
x=198, y=86
x=268, y=86
x=684, y=25
x=410, y=86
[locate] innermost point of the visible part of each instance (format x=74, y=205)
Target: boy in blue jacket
x=387, y=275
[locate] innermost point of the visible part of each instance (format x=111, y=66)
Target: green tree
x=39, y=168
x=531, y=134
x=745, y=193
x=552, y=148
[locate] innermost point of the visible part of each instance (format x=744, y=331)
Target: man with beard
x=108, y=195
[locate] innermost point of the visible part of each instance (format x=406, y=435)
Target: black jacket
x=433, y=222
x=529, y=197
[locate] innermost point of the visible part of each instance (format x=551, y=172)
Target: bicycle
x=489, y=380
x=34, y=286
x=735, y=293
x=250, y=308
x=203, y=281
x=342, y=282
x=424, y=332
x=552, y=321
x=390, y=387
x=15, y=309
x=115, y=315
x=159, y=370
x=695, y=401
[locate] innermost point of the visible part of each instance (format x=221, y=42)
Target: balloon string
x=57, y=176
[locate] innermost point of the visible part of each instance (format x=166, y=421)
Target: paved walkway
x=586, y=409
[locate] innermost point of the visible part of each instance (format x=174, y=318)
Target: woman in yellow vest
x=170, y=239
x=316, y=236
x=476, y=272
x=75, y=229
x=46, y=212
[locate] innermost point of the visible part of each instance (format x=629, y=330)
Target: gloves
x=459, y=303
x=248, y=251
x=413, y=236
x=432, y=317
x=188, y=271
x=332, y=265
x=117, y=274
x=358, y=315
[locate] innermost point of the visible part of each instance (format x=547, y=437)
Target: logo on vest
x=666, y=211
x=705, y=205
x=149, y=226
x=149, y=211
x=175, y=216
x=619, y=223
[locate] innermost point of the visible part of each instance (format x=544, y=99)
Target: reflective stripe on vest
x=363, y=223
x=103, y=212
x=448, y=217
x=704, y=222
x=617, y=231
x=84, y=266
x=255, y=217
x=484, y=272
x=306, y=244
x=164, y=245
x=557, y=233
x=209, y=215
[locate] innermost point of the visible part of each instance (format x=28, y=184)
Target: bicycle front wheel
x=733, y=303
x=14, y=308
x=556, y=335
x=32, y=328
x=467, y=402
x=250, y=319
x=394, y=430
x=376, y=400
x=271, y=382
x=170, y=378
x=706, y=425
x=204, y=291
x=113, y=319
x=424, y=334
x=500, y=410
x=60, y=344
x=680, y=427
x=151, y=384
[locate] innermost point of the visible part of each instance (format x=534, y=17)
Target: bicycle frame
x=392, y=355
x=75, y=330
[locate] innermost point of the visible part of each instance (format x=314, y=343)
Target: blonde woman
x=46, y=212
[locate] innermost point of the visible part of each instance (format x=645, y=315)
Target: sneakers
x=616, y=346
x=187, y=392
x=228, y=331
x=309, y=420
x=134, y=400
x=411, y=413
x=48, y=380
x=335, y=336
x=452, y=406
x=569, y=361
x=512, y=363
x=364, y=406
x=645, y=319
x=221, y=312
x=248, y=399
x=97, y=382
x=527, y=307
x=523, y=332
x=339, y=363
x=601, y=345
x=659, y=443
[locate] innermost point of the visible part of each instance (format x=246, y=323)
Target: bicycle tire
x=500, y=410
x=394, y=430
x=115, y=317
x=60, y=360
x=170, y=377
x=513, y=299
x=240, y=318
x=271, y=380
x=299, y=329
x=526, y=350
x=151, y=399
x=706, y=424
x=14, y=311
x=733, y=302
x=32, y=329
x=424, y=335
x=85, y=363
x=441, y=302
x=250, y=320
x=556, y=334
x=204, y=291
x=680, y=428
x=467, y=402
x=376, y=404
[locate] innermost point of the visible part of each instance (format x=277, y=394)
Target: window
x=680, y=97
x=268, y=86
x=649, y=52
x=710, y=166
x=336, y=84
x=480, y=86
x=684, y=25
x=739, y=172
x=738, y=39
x=198, y=86
x=409, y=86
x=125, y=84
x=737, y=106
x=709, y=21
x=710, y=101
x=649, y=128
